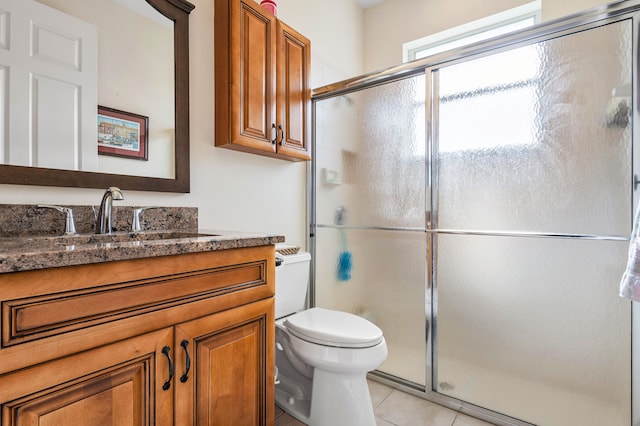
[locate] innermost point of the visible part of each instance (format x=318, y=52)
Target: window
x=496, y=103
x=482, y=29
x=491, y=102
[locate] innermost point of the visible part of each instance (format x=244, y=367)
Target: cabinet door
x=245, y=76
x=231, y=357
x=293, y=94
x=117, y=384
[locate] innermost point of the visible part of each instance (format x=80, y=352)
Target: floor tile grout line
x=392, y=390
x=388, y=421
x=384, y=399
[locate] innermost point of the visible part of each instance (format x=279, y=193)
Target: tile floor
x=396, y=408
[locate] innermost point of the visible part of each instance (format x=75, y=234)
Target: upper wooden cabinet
x=263, y=99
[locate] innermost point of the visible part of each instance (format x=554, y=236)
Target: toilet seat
x=333, y=328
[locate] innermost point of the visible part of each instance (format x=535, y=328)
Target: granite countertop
x=24, y=253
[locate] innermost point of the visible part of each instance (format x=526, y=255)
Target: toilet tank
x=292, y=282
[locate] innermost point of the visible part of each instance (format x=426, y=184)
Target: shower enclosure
x=483, y=199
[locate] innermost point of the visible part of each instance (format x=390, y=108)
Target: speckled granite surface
x=29, y=244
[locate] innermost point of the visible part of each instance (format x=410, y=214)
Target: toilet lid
x=333, y=328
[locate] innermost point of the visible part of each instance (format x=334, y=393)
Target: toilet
x=322, y=355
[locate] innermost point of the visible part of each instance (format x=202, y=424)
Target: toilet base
x=341, y=400
x=338, y=400
x=297, y=408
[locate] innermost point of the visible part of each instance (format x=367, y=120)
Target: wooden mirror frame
x=178, y=11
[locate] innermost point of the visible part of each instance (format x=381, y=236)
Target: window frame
x=472, y=31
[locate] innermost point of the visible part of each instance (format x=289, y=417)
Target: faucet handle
x=69, y=226
x=135, y=222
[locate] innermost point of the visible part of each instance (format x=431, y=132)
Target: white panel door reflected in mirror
x=134, y=73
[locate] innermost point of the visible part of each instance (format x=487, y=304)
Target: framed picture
x=122, y=134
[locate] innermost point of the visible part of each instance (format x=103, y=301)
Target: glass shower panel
x=533, y=172
x=538, y=138
x=370, y=240
x=370, y=154
x=534, y=328
x=387, y=287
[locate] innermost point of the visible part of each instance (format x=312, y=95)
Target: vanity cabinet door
x=231, y=360
x=116, y=384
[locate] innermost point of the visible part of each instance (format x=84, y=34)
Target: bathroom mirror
x=128, y=173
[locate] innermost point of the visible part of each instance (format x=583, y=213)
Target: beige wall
x=553, y=9
x=394, y=22
x=335, y=30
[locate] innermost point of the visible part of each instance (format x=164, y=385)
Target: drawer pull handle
x=185, y=346
x=166, y=350
x=275, y=137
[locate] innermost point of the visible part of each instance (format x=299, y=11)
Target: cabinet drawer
x=30, y=318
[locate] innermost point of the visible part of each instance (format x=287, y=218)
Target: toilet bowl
x=322, y=355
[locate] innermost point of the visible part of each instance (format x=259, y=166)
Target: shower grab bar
x=482, y=233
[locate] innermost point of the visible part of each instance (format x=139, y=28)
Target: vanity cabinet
x=174, y=340
x=118, y=384
x=230, y=375
x=263, y=98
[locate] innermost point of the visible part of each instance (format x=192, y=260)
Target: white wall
x=233, y=190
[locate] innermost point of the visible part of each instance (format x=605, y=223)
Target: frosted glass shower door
x=370, y=203
x=533, y=205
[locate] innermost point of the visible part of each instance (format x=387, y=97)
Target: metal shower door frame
x=592, y=18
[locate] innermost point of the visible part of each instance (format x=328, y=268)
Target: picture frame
x=123, y=134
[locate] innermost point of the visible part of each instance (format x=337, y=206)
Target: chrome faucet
x=103, y=221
